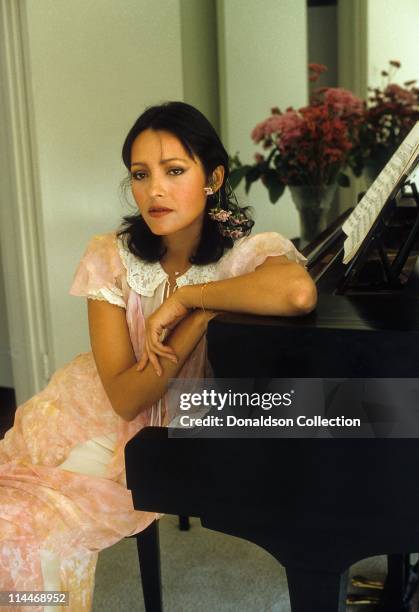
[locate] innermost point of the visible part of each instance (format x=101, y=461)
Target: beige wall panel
x=94, y=67
x=263, y=63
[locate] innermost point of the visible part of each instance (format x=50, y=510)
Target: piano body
x=317, y=505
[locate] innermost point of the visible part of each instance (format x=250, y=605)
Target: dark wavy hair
x=200, y=139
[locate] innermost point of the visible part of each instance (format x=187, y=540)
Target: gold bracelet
x=202, y=296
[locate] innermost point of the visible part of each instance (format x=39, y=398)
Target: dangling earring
x=232, y=222
x=209, y=191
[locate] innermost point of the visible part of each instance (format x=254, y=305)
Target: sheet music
x=358, y=224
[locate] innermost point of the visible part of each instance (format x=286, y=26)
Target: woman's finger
x=156, y=351
x=143, y=361
x=156, y=364
x=159, y=348
x=153, y=358
x=157, y=338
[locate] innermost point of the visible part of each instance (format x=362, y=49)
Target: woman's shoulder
x=100, y=268
x=103, y=245
x=107, y=250
x=263, y=240
x=251, y=251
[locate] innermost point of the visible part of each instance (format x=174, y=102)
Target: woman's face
x=167, y=185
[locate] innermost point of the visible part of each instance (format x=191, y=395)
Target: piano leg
x=395, y=584
x=148, y=547
x=184, y=523
x=390, y=595
x=311, y=591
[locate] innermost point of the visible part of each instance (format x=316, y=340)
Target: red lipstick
x=158, y=211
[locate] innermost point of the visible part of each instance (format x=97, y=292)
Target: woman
x=151, y=288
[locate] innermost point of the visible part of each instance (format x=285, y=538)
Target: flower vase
x=313, y=203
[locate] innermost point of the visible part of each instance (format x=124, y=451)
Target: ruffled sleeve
x=100, y=271
x=251, y=251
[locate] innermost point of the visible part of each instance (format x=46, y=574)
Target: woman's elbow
x=127, y=417
x=304, y=296
x=121, y=405
x=128, y=408
x=120, y=409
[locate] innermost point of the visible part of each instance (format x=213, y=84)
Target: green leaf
x=274, y=186
x=343, y=180
x=237, y=175
x=234, y=161
x=252, y=175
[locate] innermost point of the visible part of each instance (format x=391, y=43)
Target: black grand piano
x=317, y=505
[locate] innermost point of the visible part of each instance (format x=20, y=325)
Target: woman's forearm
x=132, y=391
x=278, y=290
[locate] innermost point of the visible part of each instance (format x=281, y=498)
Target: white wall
x=263, y=63
x=94, y=67
x=393, y=35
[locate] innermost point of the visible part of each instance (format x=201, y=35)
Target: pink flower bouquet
x=309, y=146
x=390, y=113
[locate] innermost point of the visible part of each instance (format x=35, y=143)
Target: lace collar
x=144, y=277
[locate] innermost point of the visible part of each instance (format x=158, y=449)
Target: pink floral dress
x=63, y=494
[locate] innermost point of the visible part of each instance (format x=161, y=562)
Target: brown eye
x=136, y=175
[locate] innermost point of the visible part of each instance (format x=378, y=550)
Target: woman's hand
x=157, y=325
